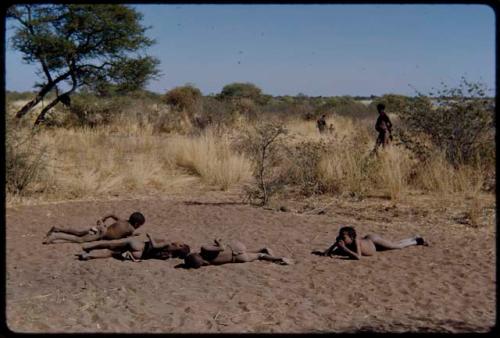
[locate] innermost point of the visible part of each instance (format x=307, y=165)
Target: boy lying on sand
x=234, y=252
x=134, y=249
x=347, y=244
x=119, y=229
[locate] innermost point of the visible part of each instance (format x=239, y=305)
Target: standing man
x=383, y=126
x=321, y=123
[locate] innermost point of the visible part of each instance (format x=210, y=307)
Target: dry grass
x=107, y=160
x=211, y=158
x=130, y=156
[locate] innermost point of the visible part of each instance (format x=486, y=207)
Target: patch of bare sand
x=447, y=287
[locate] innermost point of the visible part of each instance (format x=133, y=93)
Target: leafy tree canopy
x=82, y=45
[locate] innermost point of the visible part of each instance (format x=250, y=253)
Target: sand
x=446, y=287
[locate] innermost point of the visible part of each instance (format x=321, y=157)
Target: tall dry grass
x=212, y=158
x=131, y=156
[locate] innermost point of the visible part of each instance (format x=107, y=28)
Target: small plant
x=303, y=168
x=263, y=145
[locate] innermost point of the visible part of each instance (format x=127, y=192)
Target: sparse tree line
x=98, y=52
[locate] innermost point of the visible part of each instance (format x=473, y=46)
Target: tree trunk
x=41, y=94
x=41, y=116
x=39, y=97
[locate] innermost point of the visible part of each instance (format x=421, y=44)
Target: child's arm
x=116, y=218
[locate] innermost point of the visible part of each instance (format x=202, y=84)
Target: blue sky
x=312, y=49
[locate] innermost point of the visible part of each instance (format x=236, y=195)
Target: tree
x=82, y=45
x=240, y=90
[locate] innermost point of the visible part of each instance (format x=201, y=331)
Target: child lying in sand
x=235, y=252
x=347, y=244
x=119, y=229
x=134, y=249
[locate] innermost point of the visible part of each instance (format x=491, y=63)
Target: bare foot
x=84, y=256
x=47, y=240
x=286, y=261
x=51, y=231
x=86, y=247
x=267, y=251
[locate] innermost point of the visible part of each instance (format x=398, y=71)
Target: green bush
x=460, y=121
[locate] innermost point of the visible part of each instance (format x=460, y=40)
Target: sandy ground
x=447, y=287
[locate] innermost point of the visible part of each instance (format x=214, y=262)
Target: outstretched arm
x=352, y=254
x=331, y=249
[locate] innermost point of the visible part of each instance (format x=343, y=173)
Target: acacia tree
x=81, y=45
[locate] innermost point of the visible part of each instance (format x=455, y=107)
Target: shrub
x=25, y=162
x=264, y=146
x=303, y=166
x=187, y=98
x=460, y=123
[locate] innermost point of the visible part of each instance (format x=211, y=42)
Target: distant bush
x=460, y=122
x=25, y=160
x=393, y=103
x=15, y=96
x=187, y=98
x=240, y=90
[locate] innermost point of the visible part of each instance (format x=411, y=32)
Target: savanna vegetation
x=114, y=138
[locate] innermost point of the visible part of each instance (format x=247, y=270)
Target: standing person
x=120, y=228
x=321, y=123
x=383, y=126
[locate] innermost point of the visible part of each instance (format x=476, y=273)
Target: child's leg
x=95, y=255
x=251, y=256
x=119, y=244
x=263, y=250
x=68, y=231
x=71, y=238
x=384, y=244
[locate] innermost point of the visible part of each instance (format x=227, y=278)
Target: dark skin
x=384, y=127
x=345, y=245
x=129, y=248
x=120, y=228
x=219, y=253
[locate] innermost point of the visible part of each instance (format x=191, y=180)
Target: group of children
x=117, y=240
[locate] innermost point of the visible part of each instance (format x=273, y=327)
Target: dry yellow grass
x=129, y=156
x=211, y=158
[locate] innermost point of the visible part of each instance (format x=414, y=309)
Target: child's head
x=136, y=219
x=347, y=234
x=380, y=107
